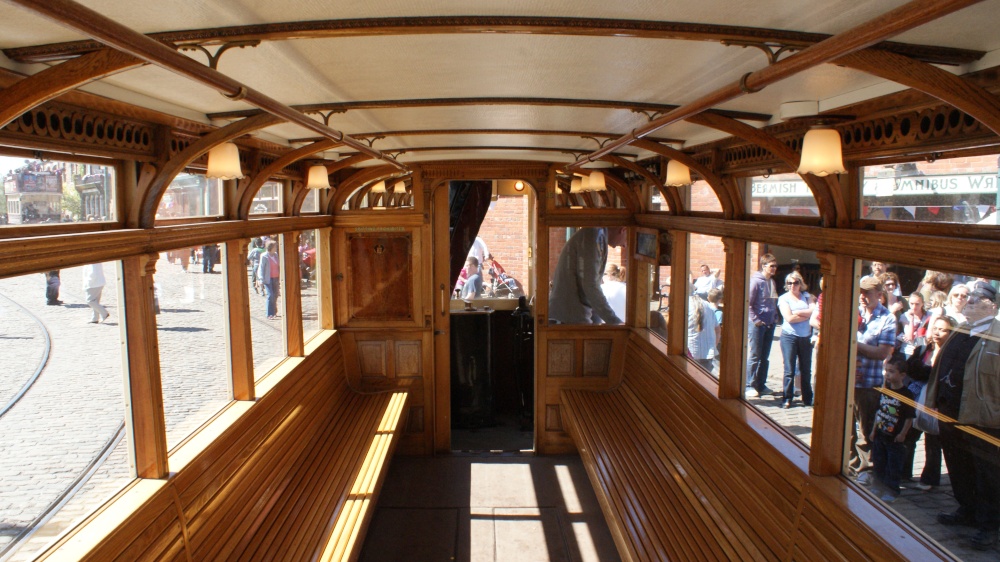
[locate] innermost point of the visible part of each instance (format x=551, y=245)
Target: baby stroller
x=501, y=284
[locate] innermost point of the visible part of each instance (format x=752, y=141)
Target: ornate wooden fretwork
x=61, y=126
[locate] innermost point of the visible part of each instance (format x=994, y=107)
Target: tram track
x=41, y=364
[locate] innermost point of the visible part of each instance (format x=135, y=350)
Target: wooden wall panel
x=596, y=358
x=380, y=284
x=562, y=355
x=409, y=361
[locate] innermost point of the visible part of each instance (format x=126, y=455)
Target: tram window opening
x=191, y=195
x=781, y=194
x=268, y=199
x=784, y=290
x=264, y=277
x=707, y=274
x=308, y=287
x=311, y=202
x=587, y=275
x=699, y=196
x=951, y=190
x=52, y=192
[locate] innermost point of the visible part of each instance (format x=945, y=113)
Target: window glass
x=63, y=445
x=267, y=303
x=784, y=290
x=45, y=191
x=268, y=199
x=699, y=196
x=192, y=335
x=502, y=252
x=707, y=266
x=584, y=286
x=960, y=190
x=310, y=294
x=191, y=195
x=311, y=202
x=935, y=345
x=659, y=297
x=782, y=194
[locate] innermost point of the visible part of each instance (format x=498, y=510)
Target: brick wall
x=505, y=231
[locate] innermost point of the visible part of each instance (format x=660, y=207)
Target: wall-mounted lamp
x=318, y=177
x=519, y=185
x=224, y=162
x=678, y=174
x=821, y=153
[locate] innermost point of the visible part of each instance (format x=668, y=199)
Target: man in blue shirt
x=875, y=340
x=763, y=304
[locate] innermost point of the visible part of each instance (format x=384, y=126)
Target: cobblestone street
x=57, y=469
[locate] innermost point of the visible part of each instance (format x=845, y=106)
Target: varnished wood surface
x=256, y=493
x=682, y=495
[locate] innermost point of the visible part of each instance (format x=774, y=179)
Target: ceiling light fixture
x=597, y=182
x=318, y=177
x=224, y=162
x=678, y=174
x=519, y=185
x=822, y=154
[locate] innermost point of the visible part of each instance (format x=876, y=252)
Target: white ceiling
x=388, y=67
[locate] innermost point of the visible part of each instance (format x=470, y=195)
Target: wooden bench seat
x=294, y=478
x=682, y=475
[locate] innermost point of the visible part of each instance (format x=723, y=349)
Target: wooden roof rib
x=427, y=77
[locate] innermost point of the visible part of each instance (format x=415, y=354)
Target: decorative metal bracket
x=649, y=116
x=772, y=51
x=327, y=114
x=396, y=154
x=600, y=143
x=371, y=140
x=213, y=59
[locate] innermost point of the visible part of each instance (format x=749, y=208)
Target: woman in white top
x=701, y=331
x=796, y=347
x=614, y=289
x=958, y=297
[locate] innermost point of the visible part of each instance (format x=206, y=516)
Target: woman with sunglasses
x=958, y=297
x=796, y=347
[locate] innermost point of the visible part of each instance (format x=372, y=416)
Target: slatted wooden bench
x=665, y=476
x=295, y=477
x=682, y=475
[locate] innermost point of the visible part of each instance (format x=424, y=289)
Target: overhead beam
x=54, y=81
x=524, y=25
x=113, y=34
x=893, y=22
x=249, y=188
x=724, y=188
x=340, y=107
x=453, y=132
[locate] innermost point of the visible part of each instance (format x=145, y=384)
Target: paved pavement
x=75, y=453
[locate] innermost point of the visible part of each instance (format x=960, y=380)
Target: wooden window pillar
x=238, y=316
x=324, y=276
x=834, y=365
x=144, y=386
x=292, y=286
x=733, y=359
x=680, y=278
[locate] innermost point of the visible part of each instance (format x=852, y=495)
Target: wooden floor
x=488, y=508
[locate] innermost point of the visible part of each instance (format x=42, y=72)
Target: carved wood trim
x=250, y=186
x=154, y=186
x=725, y=190
x=669, y=195
x=346, y=188
x=61, y=127
x=539, y=25
x=54, y=81
x=825, y=192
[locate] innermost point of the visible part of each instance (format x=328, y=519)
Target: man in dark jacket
x=763, y=303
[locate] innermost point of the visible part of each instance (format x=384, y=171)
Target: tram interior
x=507, y=281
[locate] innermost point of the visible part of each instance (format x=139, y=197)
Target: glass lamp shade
x=318, y=178
x=597, y=181
x=399, y=187
x=378, y=187
x=821, y=153
x=576, y=186
x=224, y=162
x=678, y=174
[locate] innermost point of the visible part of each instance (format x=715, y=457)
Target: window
x=46, y=192
x=942, y=340
x=502, y=249
x=959, y=190
x=782, y=194
x=191, y=195
x=268, y=199
x=699, y=196
x=311, y=202
x=585, y=286
x=707, y=266
x=309, y=294
x=782, y=295
x=191, y=331
x=266, y=302
x=59, y=369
